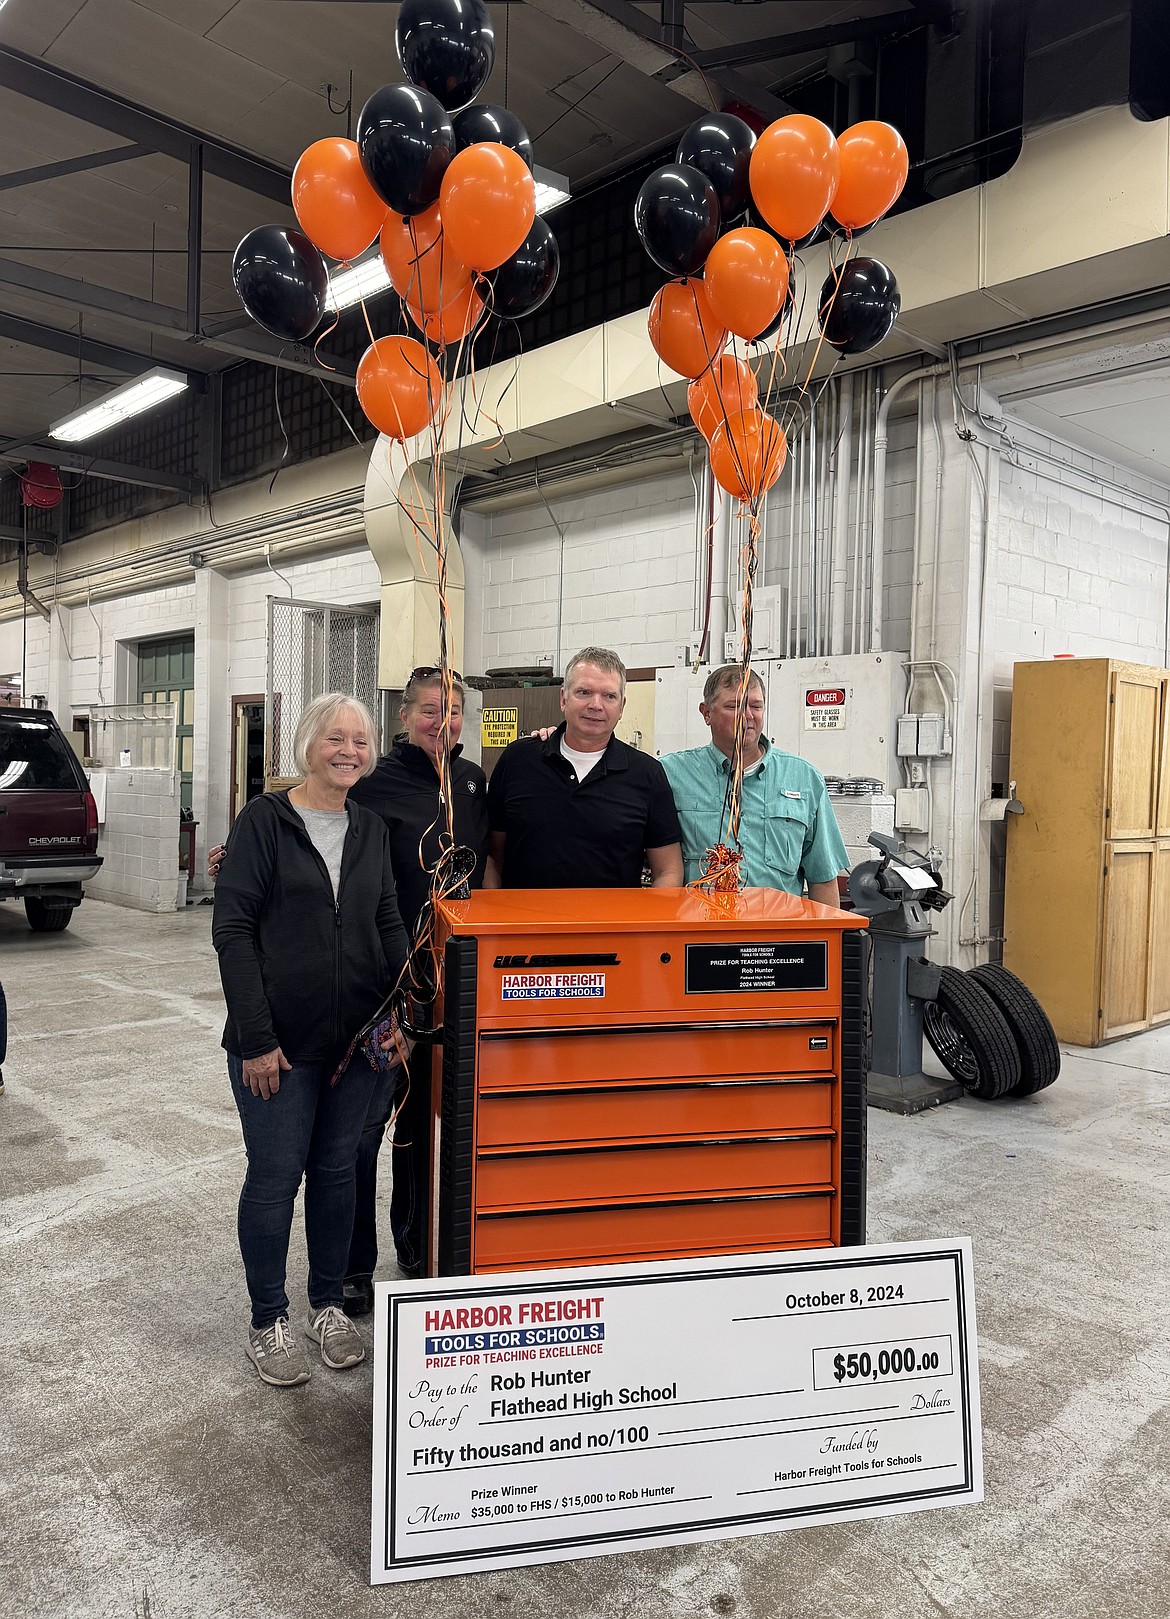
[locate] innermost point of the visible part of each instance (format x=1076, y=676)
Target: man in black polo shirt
x=581, y=809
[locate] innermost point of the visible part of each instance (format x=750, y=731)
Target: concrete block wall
x=627, y=580
x=139, y=843
x=347, y=579
x=630, y=565
x=1081, y=567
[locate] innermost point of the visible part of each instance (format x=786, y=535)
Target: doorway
x=247, y=751
x=166, y=674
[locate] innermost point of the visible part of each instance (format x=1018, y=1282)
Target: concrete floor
x=147, y=1471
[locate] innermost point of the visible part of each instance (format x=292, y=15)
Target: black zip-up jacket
x=300, y=970
x=404, y=790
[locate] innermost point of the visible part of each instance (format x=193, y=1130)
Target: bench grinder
x=897, y=894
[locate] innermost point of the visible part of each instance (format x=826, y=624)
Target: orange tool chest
x=645, y=1074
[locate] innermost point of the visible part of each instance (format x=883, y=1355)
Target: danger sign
x=824, y=708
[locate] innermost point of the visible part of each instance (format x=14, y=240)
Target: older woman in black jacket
x=309, y=940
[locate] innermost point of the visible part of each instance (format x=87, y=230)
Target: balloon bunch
x=447, y=190
x=727, y=218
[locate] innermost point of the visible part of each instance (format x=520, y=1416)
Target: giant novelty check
x=544, y=1415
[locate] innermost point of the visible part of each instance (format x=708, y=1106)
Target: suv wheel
x=44, y=918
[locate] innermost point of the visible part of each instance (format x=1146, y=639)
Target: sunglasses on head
x=425, y=670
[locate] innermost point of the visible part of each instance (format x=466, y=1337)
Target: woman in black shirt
x=404, y=790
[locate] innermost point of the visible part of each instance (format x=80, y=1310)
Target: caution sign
x=500, y=726
x=824, y=708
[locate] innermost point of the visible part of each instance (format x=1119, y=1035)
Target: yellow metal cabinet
x=1087, y=891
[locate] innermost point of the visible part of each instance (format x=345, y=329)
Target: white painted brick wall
x=629, y=568
x=139, y=841
x=1077, y=570
x=628, y=575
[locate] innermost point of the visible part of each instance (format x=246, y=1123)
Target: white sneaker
x=274, y=1353
x=341, y=1342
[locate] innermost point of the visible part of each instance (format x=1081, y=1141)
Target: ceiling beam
x=86, y=295
x=257, y=345
x=94, y=467
x=83, y=349
x=52, y=87
x=168, y=322
x=624, y=31
x=70, y=165
x=806, y=40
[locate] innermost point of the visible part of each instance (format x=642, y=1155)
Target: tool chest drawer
x=733, y=1106
x=630, y=1174
x=601, y=1235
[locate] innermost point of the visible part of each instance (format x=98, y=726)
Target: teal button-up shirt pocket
x=787, y=829
x=702, y=824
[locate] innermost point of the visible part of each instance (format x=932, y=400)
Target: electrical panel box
x=911, y=809
x=922, y=736
x=838, y=712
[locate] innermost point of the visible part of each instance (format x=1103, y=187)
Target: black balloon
x=720, y=146
x=406, y=142
x=677, y=217
x=487, y=123
x=281, y=280
x=864, y=309
x=523, y=282
x=446, y=46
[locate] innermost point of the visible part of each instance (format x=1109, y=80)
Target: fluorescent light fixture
x=365, y=279
x=551, y=189
x=131, y=399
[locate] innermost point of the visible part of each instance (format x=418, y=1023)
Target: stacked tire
x=991, y=1033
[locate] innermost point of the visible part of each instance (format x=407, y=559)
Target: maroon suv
x=48, y=819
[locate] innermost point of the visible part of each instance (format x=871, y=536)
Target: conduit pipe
x=842, y=461
x=881, y=441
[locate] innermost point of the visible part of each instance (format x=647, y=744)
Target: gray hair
x=319, y=715
x=601, y=658
x=729, y=675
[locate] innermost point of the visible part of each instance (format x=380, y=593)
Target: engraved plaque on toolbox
x=721, y=969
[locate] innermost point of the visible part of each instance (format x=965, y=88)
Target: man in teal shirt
x=787, y=830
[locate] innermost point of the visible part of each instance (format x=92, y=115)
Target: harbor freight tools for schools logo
x=553, y=987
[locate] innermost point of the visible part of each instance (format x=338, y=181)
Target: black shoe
x=411, y=1272
x=357, y=1298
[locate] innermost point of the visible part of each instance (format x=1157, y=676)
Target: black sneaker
x=357, y=1298
x=411, y=1272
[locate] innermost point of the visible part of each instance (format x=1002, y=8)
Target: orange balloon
x=398, y=386
x=748, y=454
x=685, y=334
x=874, y=166
x=746, y=276
x=421, y=267
x=488, y=203
x=727, y=389
x=795, y=167
x=336, y=206
x=454, y=321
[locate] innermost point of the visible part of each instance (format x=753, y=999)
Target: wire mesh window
x=314, y=647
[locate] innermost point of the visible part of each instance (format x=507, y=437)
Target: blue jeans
x=410, y=1174
x=308, y=1130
